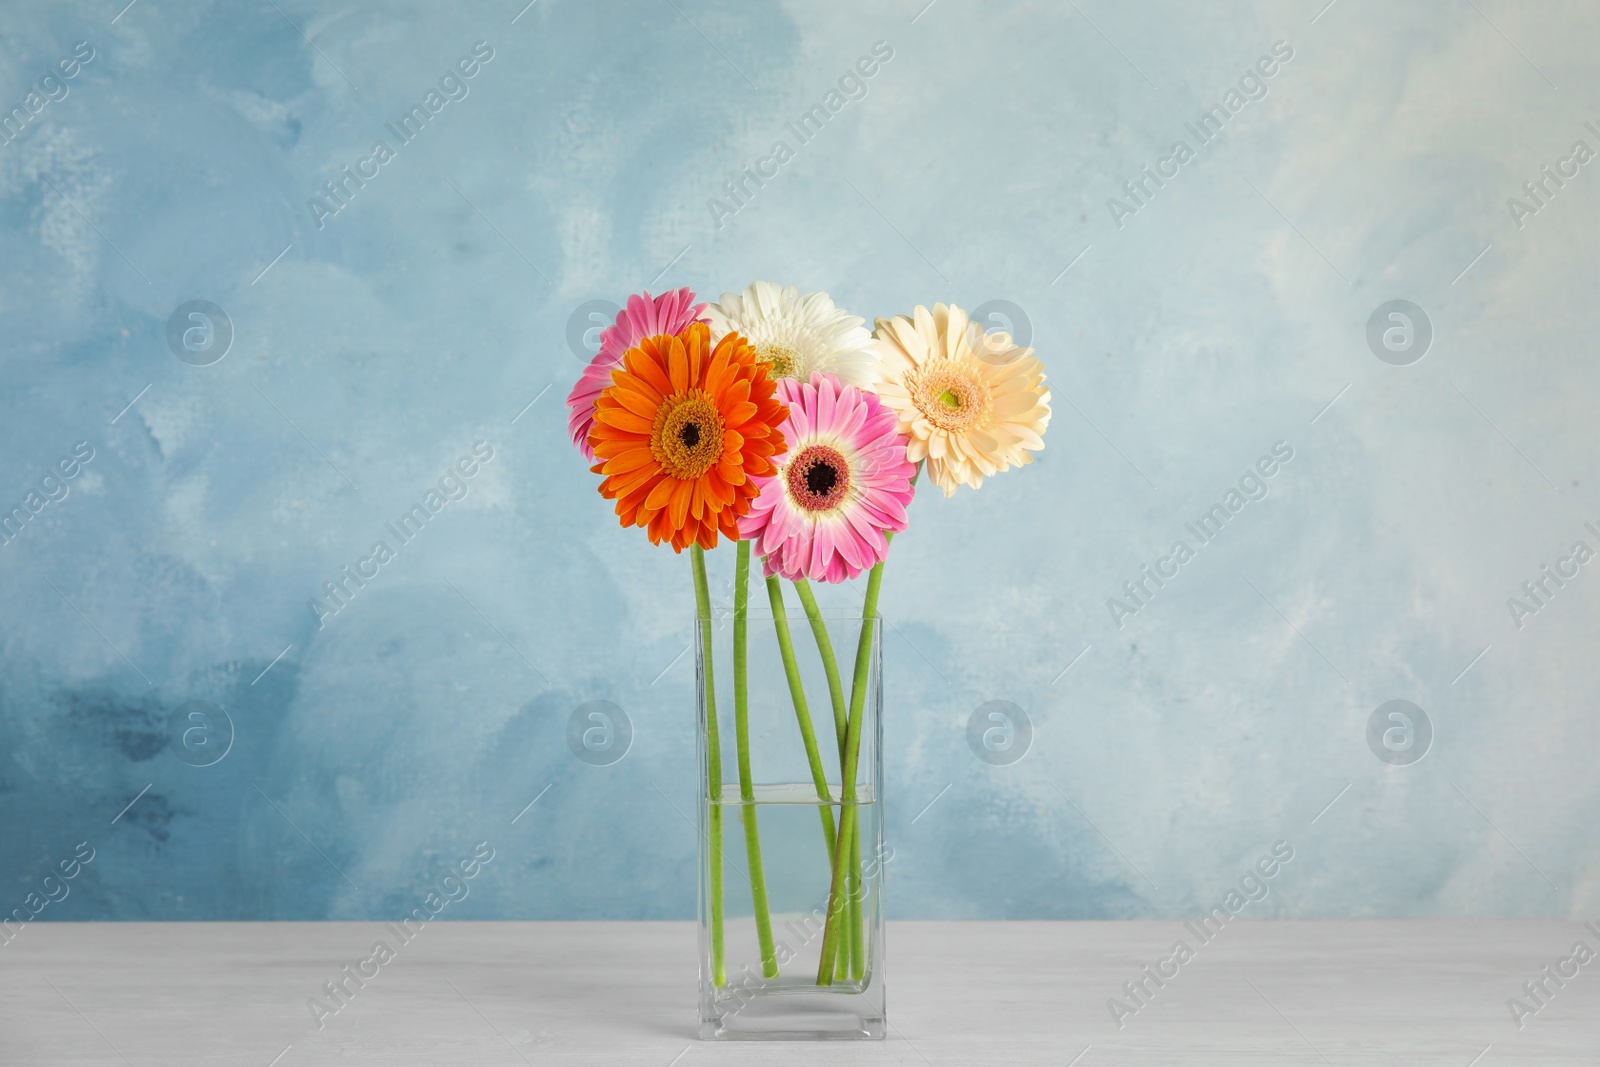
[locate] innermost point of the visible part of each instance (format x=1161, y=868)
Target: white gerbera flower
x=798, y=335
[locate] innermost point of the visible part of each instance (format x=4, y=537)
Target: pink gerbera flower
x=645, y=316
x=843, y=484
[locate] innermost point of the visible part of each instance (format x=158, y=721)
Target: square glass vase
x=791, y=763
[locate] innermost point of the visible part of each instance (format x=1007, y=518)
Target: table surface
x=1330, y=992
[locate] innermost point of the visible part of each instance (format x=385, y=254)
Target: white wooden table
x=960, y=993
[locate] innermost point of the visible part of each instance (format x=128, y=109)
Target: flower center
x=818, y=478
x=951, y=399
x=687, y=436
x=784, y=357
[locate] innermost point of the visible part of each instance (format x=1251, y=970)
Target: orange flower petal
x=637, y=403
x=651, y=368
x=622, y=419
x=635, y=383
x=630, y=460
x=678, y=508
x=678, y=367
x=661, y=494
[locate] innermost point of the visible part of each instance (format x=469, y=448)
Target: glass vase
x=790, y=764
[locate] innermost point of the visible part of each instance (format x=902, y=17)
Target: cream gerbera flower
x=798, y=335
x=972, y=405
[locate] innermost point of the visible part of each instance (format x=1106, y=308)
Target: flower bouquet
x=777, y=421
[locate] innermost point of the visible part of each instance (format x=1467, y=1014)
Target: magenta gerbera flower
x=645, y=316
x=843, y=484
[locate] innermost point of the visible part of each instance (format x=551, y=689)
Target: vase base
x=795, y=1015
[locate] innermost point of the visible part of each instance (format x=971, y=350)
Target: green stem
x=819, y=777
x=819, y=630
x=857, y=940
x=849, y=818
x=747, y=795
x=702, y=600
x=830, y=667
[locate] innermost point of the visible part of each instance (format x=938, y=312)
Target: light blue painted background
x=1180, y=348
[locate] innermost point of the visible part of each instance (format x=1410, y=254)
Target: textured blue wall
x=1200, y=324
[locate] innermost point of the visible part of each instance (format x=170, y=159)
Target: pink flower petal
x=644, y=316
x=851, y=537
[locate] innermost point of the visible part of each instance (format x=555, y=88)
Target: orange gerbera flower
x=682, y=433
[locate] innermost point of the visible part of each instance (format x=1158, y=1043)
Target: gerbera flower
x=645, y=316
x=845, y=483
x=972, y=406
x=798, y=335
x=681, y=434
